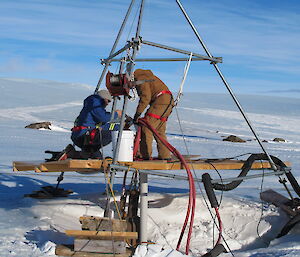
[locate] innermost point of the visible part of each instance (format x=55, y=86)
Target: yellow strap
x=112, y=126
x=113, y=195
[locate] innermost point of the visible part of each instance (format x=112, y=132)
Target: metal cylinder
x=143, y=207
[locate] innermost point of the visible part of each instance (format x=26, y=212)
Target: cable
x=180, y=126
x=262, y=210
x=200, y=188
x=161, y=232
x=192, y=193
x=221, y=198
x=113, y=195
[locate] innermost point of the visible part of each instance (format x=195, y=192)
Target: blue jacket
x=92, y=113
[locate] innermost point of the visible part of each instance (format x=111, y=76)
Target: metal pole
x=224, y=180
x=143, y=207
x=117, y=148
x=107, y=212
x=138, y=30
x=227, y=85
x=131, y=66
x=115, y=44
x=122, y=122
x=163, y=59
x=177, y=50
x=180, y=177
x=107, y=60
x=113, y=108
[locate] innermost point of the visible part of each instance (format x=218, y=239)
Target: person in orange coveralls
x=155, y=94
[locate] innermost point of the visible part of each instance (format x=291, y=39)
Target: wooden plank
x=105, y=235
x=199, y=165
x=278, y=200
x=151, y=165
x=97, y=165
x=99, y=246
x=102, y=224
x=85, y=164
x=68, y=250
x=25, y=166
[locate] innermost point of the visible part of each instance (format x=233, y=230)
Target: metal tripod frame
x=135, y=44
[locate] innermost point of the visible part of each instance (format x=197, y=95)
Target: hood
x=93, y=101
x=139, y=72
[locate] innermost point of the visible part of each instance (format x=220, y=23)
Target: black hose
x=210, y=190
x=216, y=251
x=293, y=182
x=245, y=169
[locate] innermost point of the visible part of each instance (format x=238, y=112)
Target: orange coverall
x=155, y=94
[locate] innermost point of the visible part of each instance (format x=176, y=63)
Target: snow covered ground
x=30, y=227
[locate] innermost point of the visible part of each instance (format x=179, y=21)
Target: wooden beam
x=68, y=250
x=105, y=235
x=199, y=165
x=102, y=224
x=99, y=246
x=99, y=165
x=25, y=166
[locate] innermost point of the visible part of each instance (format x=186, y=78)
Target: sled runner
x=290, y=206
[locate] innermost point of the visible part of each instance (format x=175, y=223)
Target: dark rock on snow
x=39, y=125
x=233, y=138
x=278, y=139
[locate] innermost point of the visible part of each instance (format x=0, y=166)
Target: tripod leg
x=59, y=179
x=115, y=44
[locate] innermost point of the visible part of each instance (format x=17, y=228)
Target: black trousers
x=91, y=146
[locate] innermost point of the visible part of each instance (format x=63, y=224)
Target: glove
x=128, y=122
x=136, y=117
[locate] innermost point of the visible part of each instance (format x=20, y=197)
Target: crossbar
x=179, y=177
x=164, y=59
x=208, y=58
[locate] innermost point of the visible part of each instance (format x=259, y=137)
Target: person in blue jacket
x=92, y=129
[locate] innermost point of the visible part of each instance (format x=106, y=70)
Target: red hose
x=220, y=226
x=137, y=142
x=192, y=193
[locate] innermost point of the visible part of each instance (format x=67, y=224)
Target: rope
x=113, y=195
x=262, y=210
x=186, y=69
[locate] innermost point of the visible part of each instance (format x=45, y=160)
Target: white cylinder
x=143, y=207
x=126, y=145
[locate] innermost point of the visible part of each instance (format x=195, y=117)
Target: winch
x=118, y=84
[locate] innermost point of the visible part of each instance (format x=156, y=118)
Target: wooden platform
x=105, y=235
x=88, y=166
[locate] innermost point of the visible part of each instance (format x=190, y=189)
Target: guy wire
x=262, y=209
x=198, y=183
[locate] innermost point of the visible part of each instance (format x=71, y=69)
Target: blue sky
x=63, y=40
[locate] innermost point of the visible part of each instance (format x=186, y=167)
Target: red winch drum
x=117, y=84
